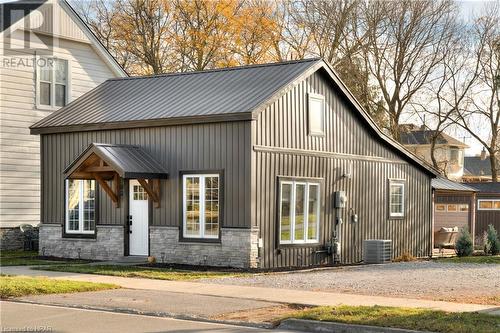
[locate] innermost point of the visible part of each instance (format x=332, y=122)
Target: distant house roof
x=441, y=183
x=486, y=187
x=423, y=137
x=219, y=95
x=475, y=166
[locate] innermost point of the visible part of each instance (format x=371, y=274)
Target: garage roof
x=442, y=183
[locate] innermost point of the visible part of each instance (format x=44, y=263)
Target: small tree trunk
x=494, y=167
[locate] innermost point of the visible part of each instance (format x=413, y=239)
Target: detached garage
x=453, y=210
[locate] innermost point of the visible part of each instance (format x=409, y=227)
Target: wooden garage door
x=449, y=215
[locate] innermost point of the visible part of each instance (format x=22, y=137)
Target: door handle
x=130, y=231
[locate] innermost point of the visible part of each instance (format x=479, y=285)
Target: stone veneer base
x=107, y=245
x=238, y=248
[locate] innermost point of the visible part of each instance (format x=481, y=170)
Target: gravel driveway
x=473, y=283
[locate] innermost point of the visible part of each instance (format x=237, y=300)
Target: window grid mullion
x=80, y=206
x=306, y=212
x=292, y=212
x=53, y=84
x=202, y=206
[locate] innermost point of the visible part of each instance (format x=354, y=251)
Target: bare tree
x=481, y=118
x=404, y=43
x=442, y=101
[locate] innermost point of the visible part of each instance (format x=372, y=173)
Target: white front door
x=138, y=223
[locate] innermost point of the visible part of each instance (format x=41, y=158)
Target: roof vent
x=377, y=251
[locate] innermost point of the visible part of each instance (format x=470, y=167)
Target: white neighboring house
x=75, y=62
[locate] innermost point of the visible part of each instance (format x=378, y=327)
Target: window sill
x=79, y=236
x=315, y=244
x=48, y=107
x=184, y=240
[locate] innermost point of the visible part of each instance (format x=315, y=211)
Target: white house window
x=493, y=204
x=80, y=206
x=299, y=212
x=201, y=210
x=316, y=114
x=53, y=82
x=396, y=198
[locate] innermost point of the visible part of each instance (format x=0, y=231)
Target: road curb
x=323, y=326
x=149, y=313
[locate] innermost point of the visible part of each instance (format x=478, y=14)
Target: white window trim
x=306, y=209
x=483, y=200
x=80, y=211
x=400, y=183
x=311, y=96
x=52, y=91
x=201, y=234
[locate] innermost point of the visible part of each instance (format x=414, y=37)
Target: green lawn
x=472, y=260
x=16, y=286
x=141, y=272
x=25, y=258
x=414, y=319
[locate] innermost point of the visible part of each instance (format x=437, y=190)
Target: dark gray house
x=256, y=166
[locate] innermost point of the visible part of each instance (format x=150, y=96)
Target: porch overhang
x=105, y=162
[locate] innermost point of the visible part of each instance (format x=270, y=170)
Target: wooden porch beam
x=103, y=168
x=116, y=187
x=107, y=189
x=149, y=189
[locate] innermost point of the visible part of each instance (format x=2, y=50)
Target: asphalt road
x=16, y=317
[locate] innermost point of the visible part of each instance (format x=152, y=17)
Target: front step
x=126, y=260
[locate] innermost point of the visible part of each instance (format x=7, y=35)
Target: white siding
x=20, y=151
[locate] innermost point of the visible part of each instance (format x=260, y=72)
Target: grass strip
x=141, y=272
x=16, y=286
x=472, y=260
x=406, y=318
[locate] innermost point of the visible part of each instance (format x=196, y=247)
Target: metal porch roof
x=127, y=160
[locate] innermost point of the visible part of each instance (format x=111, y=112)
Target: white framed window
x=80, y=206
x=396, y=198
x=201, y=206
x=52, y=82
x=488, y=204
x=440, y=208
x=316, y=114
x=299, y=212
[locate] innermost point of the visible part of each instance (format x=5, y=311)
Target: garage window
x=493, y=204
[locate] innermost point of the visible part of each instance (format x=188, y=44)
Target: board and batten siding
x=20, y=151
x=282, y=147
x=486, y=217
x=203, y=147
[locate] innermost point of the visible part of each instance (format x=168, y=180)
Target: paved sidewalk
x=257, y=293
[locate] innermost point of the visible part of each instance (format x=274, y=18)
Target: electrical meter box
x=340, y=199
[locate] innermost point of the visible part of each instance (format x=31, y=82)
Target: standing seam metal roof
x=178, y=95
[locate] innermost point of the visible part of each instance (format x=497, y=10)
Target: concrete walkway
x=257, y=293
